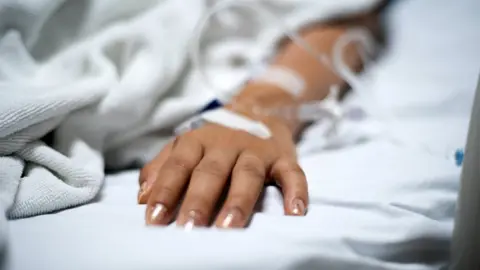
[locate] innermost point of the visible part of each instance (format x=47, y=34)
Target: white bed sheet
x=394, y=218
x=383, y=220
x=373, y=206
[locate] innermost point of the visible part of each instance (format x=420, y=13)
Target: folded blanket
x=110, y=79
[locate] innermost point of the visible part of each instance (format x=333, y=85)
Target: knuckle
x=178, y=162
x=241, y=200
x=252, y=165
x=212, y=167
x=250, y=157
x=289, y=167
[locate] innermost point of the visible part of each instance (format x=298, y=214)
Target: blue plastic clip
x=214, y=104
x=459, y=155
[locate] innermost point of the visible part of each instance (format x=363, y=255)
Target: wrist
x=265, y=103
x=264, y=94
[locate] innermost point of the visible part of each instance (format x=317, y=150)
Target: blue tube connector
x=459, y=155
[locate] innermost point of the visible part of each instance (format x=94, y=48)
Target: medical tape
x=226, y=118
x=284, y=78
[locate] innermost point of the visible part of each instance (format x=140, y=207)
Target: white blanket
x=111, y=79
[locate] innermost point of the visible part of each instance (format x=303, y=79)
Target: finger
x=206, y=186
x=149, y=173
x=172, y=180
x=293, y=182
x=248, y=179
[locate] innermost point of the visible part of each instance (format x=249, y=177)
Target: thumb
x=148, y=174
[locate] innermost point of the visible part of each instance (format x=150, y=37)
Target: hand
x=200, y=165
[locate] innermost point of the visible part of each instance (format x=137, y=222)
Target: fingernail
x=157, y=213
x=143, y=188
x=298, y=207
x=233, y=217
x=191, y=221
x=189, y=225
x=141, y=198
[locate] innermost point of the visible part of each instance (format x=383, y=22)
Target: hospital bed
x=377, y=205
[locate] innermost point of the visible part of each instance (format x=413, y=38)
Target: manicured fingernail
x=191, y=221
x=298, y=207
x=233, y=217
x=143, y=188
x=157, y=213
x=142, y=193
x=189, y=225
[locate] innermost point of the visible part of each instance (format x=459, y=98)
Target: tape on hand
x=226, y=118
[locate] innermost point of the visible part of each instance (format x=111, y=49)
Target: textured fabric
x=110, y=78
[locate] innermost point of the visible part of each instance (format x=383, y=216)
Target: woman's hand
x=188, y=177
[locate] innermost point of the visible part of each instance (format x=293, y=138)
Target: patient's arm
x=317, y=76
x=201, y=165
